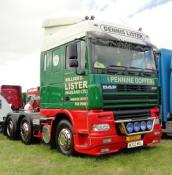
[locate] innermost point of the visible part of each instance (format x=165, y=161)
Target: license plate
x=133, y=138
x=135, y=144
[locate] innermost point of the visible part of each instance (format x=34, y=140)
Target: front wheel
x=64, y=138
x=26, y=131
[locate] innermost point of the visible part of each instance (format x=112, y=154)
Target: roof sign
x=121, y=31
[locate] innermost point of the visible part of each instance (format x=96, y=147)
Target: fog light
x=136, y=126
x=143, y=125
x=129, y=127
x=149, y=124
x=108, y=140
x=103, y=150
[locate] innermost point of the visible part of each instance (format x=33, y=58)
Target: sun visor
x=53, y=25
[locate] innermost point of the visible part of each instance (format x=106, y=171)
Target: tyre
x=11, y=129
x=64, y=140
x=26, y=131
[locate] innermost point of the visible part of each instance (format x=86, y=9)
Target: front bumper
x=95, y=145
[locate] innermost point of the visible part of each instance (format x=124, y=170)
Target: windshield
x=122, y=55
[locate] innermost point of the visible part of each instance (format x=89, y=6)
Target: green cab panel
x=64, y=87
x=52, y=78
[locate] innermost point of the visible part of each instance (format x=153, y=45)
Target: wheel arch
x=59, y=117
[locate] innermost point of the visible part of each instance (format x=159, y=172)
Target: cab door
x=53, y=78
x=75, y=77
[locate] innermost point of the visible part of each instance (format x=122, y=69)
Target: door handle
x=67, y=99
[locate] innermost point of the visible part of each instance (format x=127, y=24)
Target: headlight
x=149, y=124
x=101, y=127
x=136, y=126
x=143, y=126
x=129, y=127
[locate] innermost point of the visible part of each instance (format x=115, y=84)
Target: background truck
x=13, y=95
x=34, y=93
x=165, y=73
x=99, y=90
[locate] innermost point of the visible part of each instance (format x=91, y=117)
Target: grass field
x=19, y=159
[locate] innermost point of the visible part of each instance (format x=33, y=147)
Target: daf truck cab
x=99, y=90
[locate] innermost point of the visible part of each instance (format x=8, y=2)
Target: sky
x=21, y=30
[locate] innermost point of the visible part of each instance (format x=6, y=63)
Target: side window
x=49, y=59
x=56, y=60
x=0, y=104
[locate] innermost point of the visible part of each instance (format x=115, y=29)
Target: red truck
x=13, y=95
x=35, y=94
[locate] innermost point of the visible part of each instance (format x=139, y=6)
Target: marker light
x=103, y=150
x=143, y=126
x=157, y=121
x=107, y=140
x=129, y=127
x=136, y=126
x=149, y=124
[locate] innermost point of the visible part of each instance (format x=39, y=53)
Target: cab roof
x=63, y=30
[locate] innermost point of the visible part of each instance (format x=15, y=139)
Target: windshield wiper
x=142, y=69
x=153, y=70
x=116, y=66
x=125, y=67
x=138, y=68
x=132, y=69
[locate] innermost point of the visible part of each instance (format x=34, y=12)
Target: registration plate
x=135, y=144
x=133, y=138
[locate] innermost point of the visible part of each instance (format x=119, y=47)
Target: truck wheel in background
x=11, y=129
x=64, y=138
x=26, y=131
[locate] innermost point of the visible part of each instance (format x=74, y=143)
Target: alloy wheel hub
x=64, y=139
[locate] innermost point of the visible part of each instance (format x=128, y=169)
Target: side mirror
x=73, y=63
x=157, y=54
x=81, y=68
x=72, y=51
